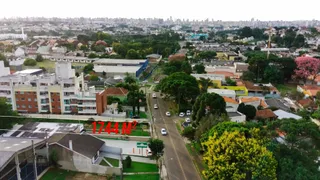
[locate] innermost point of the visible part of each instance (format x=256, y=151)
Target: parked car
x=154, y=95
x=155, y=106
x=188, y=120
x=188, y=113
x=149, y=152
x=185, y=124
x=164, y=131
x=168, y=114
x=181, y=114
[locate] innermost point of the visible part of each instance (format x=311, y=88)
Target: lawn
x=142, y=177
x=103, y=163
x=113, y=162
x=139, y=132
x=57, y=174
x=286, y=88
x=141, y=167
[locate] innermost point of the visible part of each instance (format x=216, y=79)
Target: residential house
x=254, y=101
x=19, y=52
x=44, y=50
x=308, y=90
x=117, y=92
x=81, y=152
x=223, y=92
x=261, y=90
x=232, y=56
x=237, y=117
x=281, y=114
x=265, y=114
x=307, y=104
x=231, y=104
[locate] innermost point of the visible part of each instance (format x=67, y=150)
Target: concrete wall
x=110, y=149
x=231, y=107
x=238, y=119
x=70, y=160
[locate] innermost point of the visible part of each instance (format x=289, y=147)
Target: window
x=29, y=99
x=22, y=99
x=52, y=100
x=53, y=107
x=23, y=106
x=59, y=107
x=35, y=99
x=18, y=106
x=21, y=92
x=29, y=106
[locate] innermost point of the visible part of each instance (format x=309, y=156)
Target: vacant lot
x=141, y=167
x=142, y=177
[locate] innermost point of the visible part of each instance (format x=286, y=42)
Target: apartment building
x=58, y=93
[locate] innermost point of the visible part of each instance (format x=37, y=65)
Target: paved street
x=177, y=159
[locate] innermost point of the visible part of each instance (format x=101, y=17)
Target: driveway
x=177, y=159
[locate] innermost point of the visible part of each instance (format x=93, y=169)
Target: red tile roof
x=307, y=103
x=265, y=113
x=230, y=100
x=117, y=91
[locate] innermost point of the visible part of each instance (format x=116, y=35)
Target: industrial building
x=62, y=92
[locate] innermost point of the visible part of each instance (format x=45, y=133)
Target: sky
x=184, y=9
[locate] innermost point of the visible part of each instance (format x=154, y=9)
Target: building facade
x=58, y=93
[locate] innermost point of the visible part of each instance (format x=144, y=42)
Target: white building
x=212, y=77
x=237, y=117
x=224, y=92
x=4, y=71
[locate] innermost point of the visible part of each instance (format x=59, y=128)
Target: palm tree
x=205, y=84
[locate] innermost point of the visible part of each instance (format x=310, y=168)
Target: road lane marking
x=174, y=147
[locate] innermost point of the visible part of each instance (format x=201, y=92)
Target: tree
x=54, y=158
x=39, y=58
x=92, y=55
x=104, y=73
x=272, y=74
x=235, y=156
x=94, y=78
x=205, y=84
x=3, y=58
x=230, y=82
x=132, y=54
x=181, y=86
x=88, y=68
x=248, y=110
x=300, y=152
x=307, y=68
x=127, y=162
x=156, y=146
x=186, y=67
x=246, y=32
x=189, y=132
x=248, y=76
x=77, y=74
x=30, y=62
x=208, y=103
x=177, y=66
x=199, y=68
x=84, y=48
x=207, y=55
x=299, y=41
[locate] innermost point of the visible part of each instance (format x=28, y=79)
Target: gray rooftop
x=119, y=61
x=234, y=114
x=9, y=146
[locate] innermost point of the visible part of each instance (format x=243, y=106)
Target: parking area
x=128, y=147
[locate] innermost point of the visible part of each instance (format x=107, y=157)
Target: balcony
x=4, y=87
x=5, y=95
x=86, y=97
x=69, y=89
x=87, y=111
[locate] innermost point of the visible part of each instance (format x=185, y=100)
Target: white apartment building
x=59, y=93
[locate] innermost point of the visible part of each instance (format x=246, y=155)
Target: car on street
x=168, y=114
x=188, y=120
x=163, y=131
x=188, y=113
x=181, y=114
x=154, y=95
x=155, y=106
x=185, y=124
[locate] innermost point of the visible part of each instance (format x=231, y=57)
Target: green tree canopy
x=199, y=68
x=156, y=146
x=88, y=68
x=30, y=62
x=207, y=103
x=181, y=86
x=39, y=58
x=235, y=156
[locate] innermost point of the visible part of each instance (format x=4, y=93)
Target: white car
x=149, y=152
x=154, y=95
x=181, y=114
x=188, y=120
x=155, y=106
x=168, y=114
x=163, y=131
x=188, y=113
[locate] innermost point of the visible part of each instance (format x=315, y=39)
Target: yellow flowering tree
x=233, y=156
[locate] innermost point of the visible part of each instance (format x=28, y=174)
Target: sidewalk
x=141, y=159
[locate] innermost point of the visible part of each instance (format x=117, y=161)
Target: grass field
x=113, y=162
x=286, y=88
x=142, y=177
x=141, y=167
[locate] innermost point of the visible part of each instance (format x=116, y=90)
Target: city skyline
x=228, y=10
